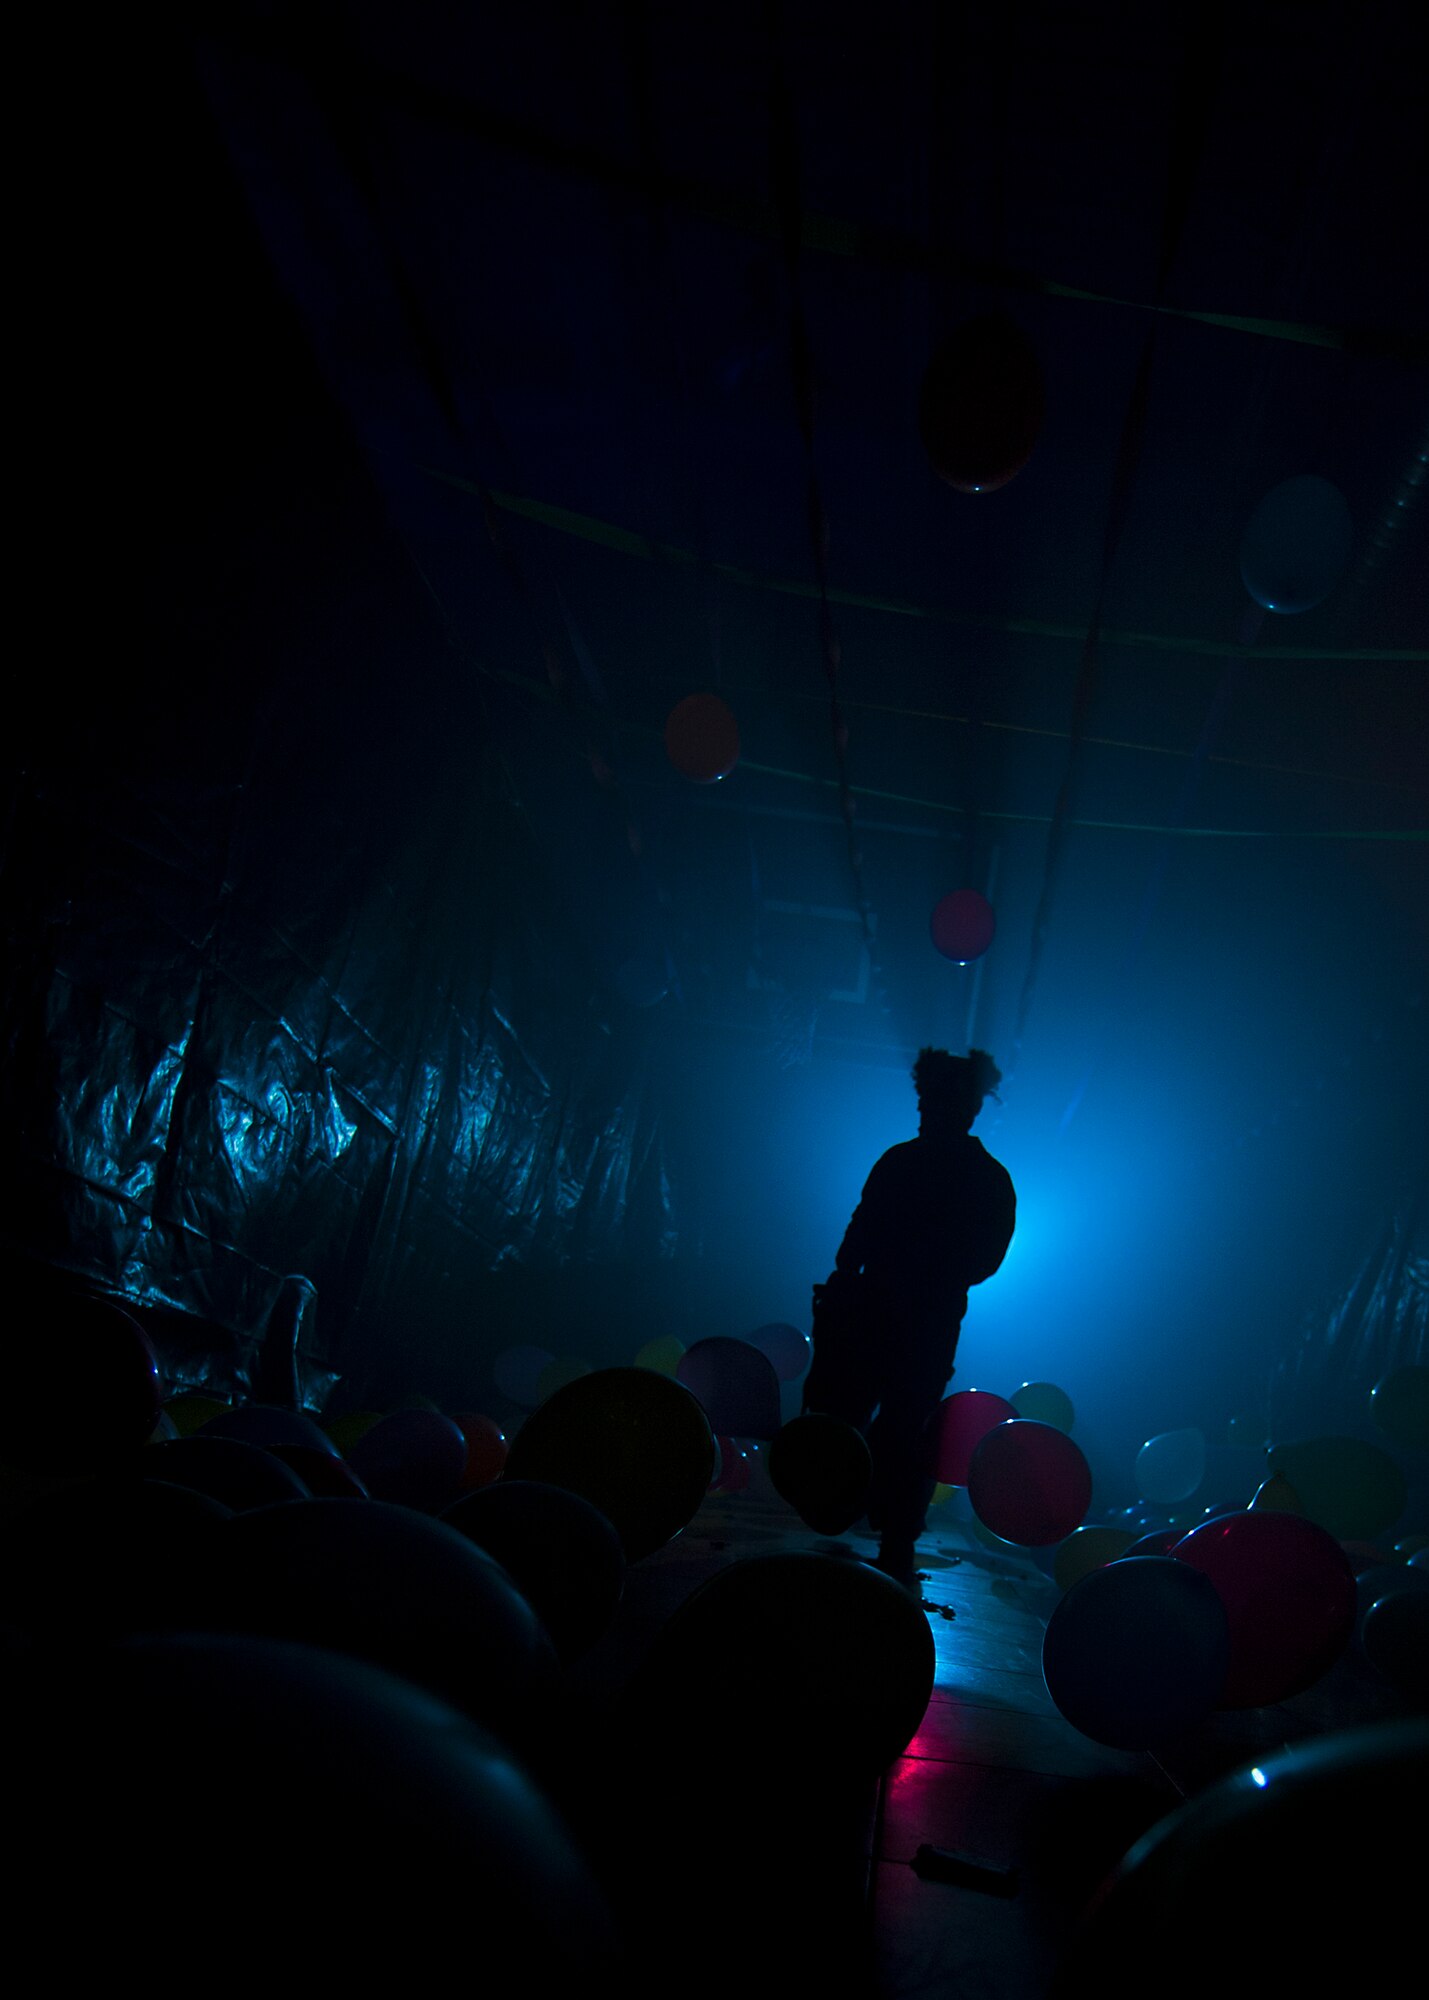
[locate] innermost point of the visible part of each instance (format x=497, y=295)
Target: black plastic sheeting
x=292, y=985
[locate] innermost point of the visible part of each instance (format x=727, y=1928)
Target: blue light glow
x=1258, y=1775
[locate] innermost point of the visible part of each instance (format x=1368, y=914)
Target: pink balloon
x=963, y=925
x=959, y=1427
x=1029, y=1483
x=1289, y=1593
x=790, y=1350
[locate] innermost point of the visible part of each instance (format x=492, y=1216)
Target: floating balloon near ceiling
x=702, y=738
x=1296, y=545
x=980, y=410
x=962, y=925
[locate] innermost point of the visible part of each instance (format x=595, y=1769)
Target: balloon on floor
x=414, y=1458
x=320, y=1782
x=1270, y=1881
x=633, y=1442
x=81, y=1387
x=823, y=1468
x=1170, y=1466
x=961, y=1423
x=560, y=1551
x=394, y=1587
x=1352, y=1488
x=1136, y=1652
x=781, y=1651
x=1044, y=1403
x=1289, y=1594
x=736, y=1385
x=1029, y=1483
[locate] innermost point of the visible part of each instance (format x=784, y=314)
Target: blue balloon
x=1296, y=544
x=1136, y=1652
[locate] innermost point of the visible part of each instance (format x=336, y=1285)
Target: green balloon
x=1351, y=1488
x=1401, y=1406
x=1044, y=1403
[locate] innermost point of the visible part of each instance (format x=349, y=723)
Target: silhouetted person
x=936, y=1216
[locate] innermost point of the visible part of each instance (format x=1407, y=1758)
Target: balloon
x=1159, y=1542
x=664, y=1354
x=1386, y=1581
x=1171, y=1466
x=81, y=1385
x=962, y=925
x=326, y=1476
x=1395, y=1637
x=1136, y=1652
x=787, y=1348
x=517, y=1372
x=1363, y=1556
x=1262, y=1882
x=1419, y=1560
x=798, y=1645
x=702, y=738
x=1043, y=1403
x=486, y=1449
x=1409, y=1545
x=1400, y=1403
x=164, y=1429
x=414, y=1458
x=331, y=1783
x=262, y=1423
x=237, y=1475
x=635, y=1444
x=963, y=1420
x=561, y=1553
x=555, y=1375
x=1289, y=1594
x=1029, y=1483
x=1086, y=1549
x=1296, y=544
x=733, y=1476
x=110, y=1556
x=1353, y=1489
x=394, y=1587
x=1276, y=1496
x=344, y=1431
x=736, y=1385
x=823, y=1468
x=980, y=407
x=190, y=1411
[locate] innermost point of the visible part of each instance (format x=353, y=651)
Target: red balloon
x=962, y=1422
x=702, y=738
x=1289, y=1593
x=486, y=1450
x=1029, y=1483
x=980, y=410
x=963, y=925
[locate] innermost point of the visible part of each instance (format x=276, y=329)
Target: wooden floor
x=745, y=1883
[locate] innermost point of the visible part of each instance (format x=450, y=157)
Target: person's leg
x=901, y=1445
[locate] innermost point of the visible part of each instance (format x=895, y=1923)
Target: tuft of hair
x=953, y=1087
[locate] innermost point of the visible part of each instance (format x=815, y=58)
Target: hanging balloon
x=961, y=1423
x=790, y=1350
x=1296, y=545
x=962, y=925
x=702, y=738
x=1171, y=1466
x=980, y=409
x=1044, y=1403
x=1401, y=1405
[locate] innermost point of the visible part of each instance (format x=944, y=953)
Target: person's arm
x=1001, y=1220
x=859, y=1236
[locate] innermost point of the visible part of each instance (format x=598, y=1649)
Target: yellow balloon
x=1276, y=1496
x=190, y=1409
x=1086, y=1549
x=941, y=1494
x=344, y=1432
x=663, y=1355
x=555, y=1375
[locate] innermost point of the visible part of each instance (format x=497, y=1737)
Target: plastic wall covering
x=289, y=986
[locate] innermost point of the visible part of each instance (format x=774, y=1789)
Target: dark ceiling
x=627, y=308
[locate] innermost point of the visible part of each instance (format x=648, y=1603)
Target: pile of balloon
x=260, y=1662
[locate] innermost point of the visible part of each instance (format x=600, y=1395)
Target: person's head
x=951, y=1088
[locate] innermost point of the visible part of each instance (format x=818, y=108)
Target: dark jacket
x=936, y=1216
